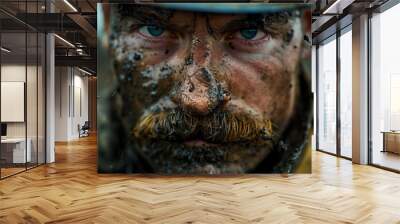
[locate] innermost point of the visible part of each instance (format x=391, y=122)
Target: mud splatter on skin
x=231, y=45
x=289, y=36
x=156, y=78
x=189, y=59
x=205, y=73
x=128, y=66
x=209, y=28
x=215, y=90
x=134, y=75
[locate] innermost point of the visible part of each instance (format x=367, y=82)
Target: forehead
x=155, y=15
x=215, y=20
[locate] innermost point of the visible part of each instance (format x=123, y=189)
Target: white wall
x=61, y=103
x=9, y=73
x=12, y=73
x=71, y=102
x=80, y=111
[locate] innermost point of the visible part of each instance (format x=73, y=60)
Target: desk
x=391, y=141
x=16, y=147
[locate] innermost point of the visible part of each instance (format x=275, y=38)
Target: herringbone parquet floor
x=71, y=191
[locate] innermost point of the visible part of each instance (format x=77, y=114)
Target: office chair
x=84, y=130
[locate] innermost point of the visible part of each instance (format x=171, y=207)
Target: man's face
x=206, y=93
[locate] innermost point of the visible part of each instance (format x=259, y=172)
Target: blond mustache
x=218, y=127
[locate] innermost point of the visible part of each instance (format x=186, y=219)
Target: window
x=327, y=96
x=385, y=89
x=346, y=92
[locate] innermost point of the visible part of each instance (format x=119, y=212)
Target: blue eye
x=154, y=31
x=248, y=33
x=151, y=30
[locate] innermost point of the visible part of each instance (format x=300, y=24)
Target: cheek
x=153, y=52
x=149, y=83
x=154, y=73
x=265, y=85
x=123, y=45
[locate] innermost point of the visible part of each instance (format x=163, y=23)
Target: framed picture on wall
x=12, y=101
x=204, y=88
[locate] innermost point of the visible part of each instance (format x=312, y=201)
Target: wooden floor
x=5, y=172
x=71, y=191
x=387, y=159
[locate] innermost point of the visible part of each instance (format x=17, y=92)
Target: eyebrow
x=240, y=23
x=143, y=14
x=150, y=15
x=274, y=23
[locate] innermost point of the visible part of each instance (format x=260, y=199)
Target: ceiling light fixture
x=326, y=11
x=70, y=5
x=65, y=41
x=337, y=7
x=5, y=50
x=84, y=71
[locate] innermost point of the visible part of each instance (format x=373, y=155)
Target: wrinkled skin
x=207, y=95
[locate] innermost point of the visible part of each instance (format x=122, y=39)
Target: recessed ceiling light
x=70, y=5
x=5, y=50
x=65, y=41
x=84, y=71
x=337, y=7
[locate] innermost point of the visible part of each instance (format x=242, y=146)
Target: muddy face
x=206, y=93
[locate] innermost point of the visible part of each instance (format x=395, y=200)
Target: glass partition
x=385, y=89
x=31, y=100
x=346, y=93
x=22, y=78
x=41, y=96
x=14, y=153
x=327, y=96
x=314, y=90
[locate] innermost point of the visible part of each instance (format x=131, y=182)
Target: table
x=16, y=147
x=391, y=141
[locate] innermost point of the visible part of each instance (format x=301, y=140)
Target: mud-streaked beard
x=226, y=142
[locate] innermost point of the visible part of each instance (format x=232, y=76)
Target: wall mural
x=207, y=88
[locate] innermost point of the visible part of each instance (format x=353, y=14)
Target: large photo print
x=204, y=88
